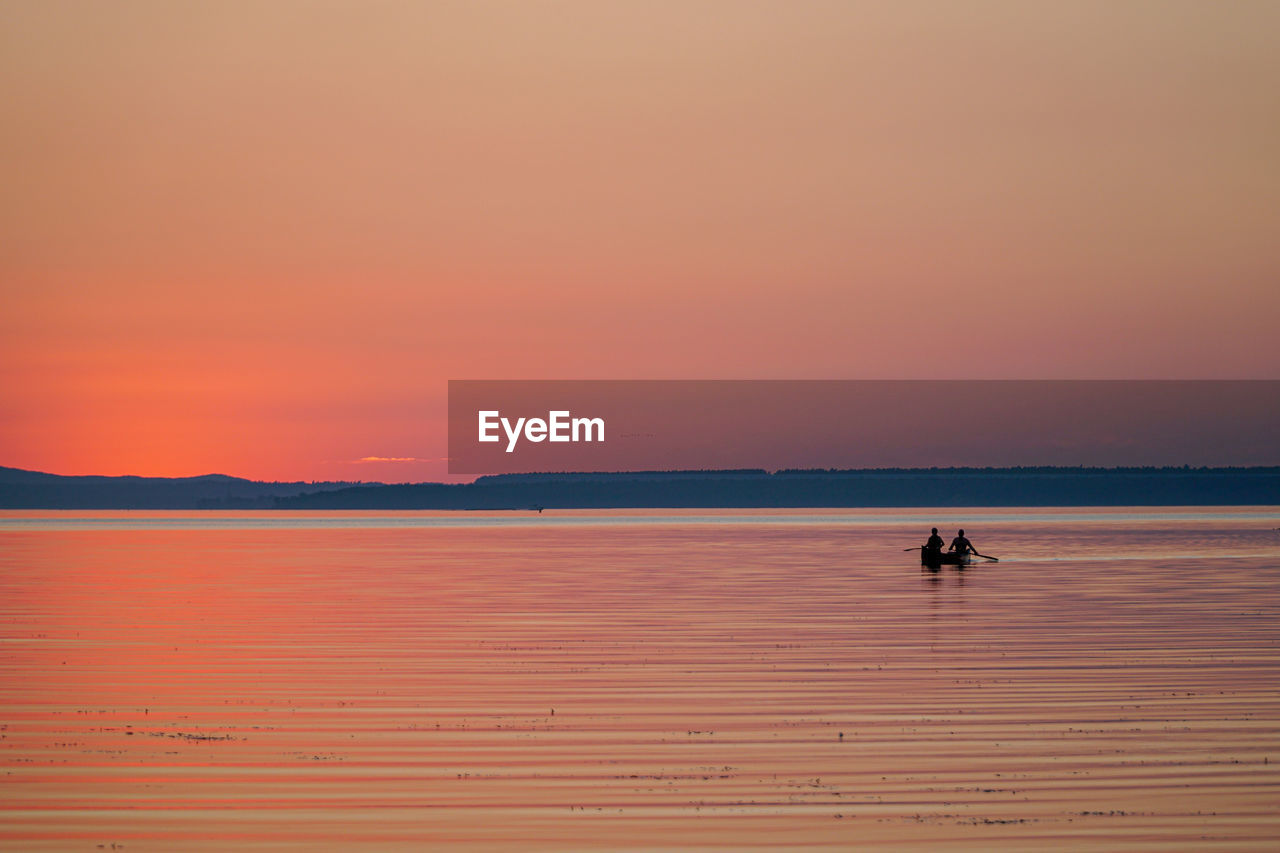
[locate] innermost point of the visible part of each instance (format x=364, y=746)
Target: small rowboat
x=938, y=559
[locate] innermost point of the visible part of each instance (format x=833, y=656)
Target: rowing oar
x=917, y=548
x=985, y=557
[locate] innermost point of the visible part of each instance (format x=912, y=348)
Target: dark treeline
x=877, y=487
x=858, y=488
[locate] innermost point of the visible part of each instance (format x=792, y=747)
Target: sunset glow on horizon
x=259, y=239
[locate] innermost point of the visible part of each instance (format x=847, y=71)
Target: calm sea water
x=639, y=680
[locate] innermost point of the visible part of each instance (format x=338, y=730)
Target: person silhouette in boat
x=962, y=546
x=933, y=547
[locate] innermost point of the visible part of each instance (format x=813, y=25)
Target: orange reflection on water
x=638, y=679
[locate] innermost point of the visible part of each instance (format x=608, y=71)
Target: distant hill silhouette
x=21, y=489
x=870, y=487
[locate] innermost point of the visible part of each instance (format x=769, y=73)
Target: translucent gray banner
x=498, y=426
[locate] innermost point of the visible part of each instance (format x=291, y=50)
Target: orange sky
x=258, y=238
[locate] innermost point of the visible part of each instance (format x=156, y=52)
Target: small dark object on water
x=934, y=559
